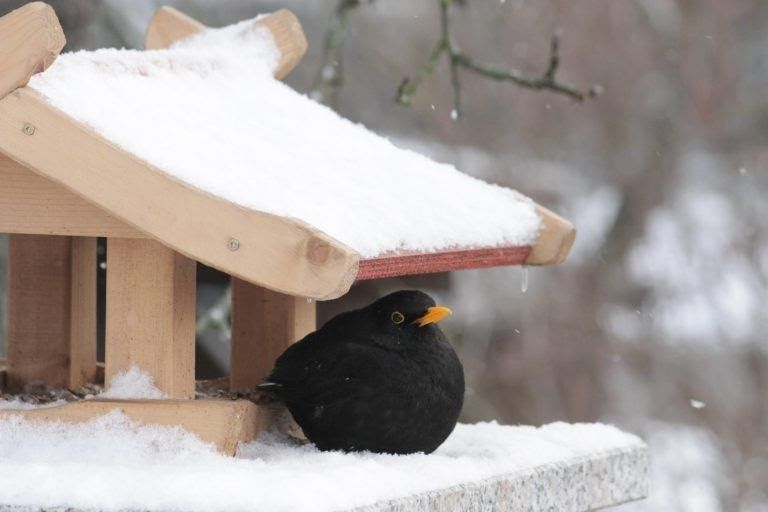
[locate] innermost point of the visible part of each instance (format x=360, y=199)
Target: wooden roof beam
x=169, y=25
x=31, y=39
x=285, y=255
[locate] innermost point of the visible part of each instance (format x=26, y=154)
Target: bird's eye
x=397, y=317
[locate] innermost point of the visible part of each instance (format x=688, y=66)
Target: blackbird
x=382, y=378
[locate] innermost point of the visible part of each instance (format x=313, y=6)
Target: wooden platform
x=224, y=423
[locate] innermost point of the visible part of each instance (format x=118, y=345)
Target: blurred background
x=657, y=322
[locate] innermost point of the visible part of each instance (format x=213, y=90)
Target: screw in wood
x=28, y=129
x=233, y=244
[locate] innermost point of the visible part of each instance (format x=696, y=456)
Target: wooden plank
x=224, y=423
x=38, y=310
x=150, y=319
x=285, y=255
x=413, y=264
x=34, y=205
x=82, y=337
x=555, y=240
x=169, y=25
x=264, y=323
x=31, y=40
x=289, y=38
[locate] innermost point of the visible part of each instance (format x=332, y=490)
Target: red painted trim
x=411, y=264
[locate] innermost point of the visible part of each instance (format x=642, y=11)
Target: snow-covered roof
x=209, y=114
x=112, y=463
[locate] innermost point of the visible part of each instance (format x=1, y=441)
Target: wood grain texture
x=264, y=323
x=34, y=205
x=83, y=318
x=555, y=240
x=30, y=40
x=224, y=423
x=413, y=264
x=39, y=269
x=150, y=319
x=282, y=254
x=169, y=25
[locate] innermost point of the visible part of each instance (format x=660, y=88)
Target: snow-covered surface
x=132, y=384
x=111, y=463
x=209, y=112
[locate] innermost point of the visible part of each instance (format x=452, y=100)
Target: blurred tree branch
x=330, y=76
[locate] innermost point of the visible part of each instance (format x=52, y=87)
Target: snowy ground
x=111, y=463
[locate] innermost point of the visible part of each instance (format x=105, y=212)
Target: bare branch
x=330, y=77
x=446, y=45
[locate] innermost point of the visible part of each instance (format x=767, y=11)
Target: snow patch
x=132, y=384
x=112, y=463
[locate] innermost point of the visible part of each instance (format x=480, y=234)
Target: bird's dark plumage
x=374, y=379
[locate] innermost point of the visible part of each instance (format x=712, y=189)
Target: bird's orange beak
x=434, y=315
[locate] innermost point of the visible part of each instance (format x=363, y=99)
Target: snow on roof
x=110, y=463
x=209, y=112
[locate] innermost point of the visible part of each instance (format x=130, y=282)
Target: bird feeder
x=67, y=177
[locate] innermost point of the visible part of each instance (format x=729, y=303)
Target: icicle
x=524, y=279
x=310, y=300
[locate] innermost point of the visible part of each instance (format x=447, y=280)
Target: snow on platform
x=209, y=112
x=111, y=463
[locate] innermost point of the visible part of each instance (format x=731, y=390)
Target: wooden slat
x=82, y=338
x=150, y=319
x=289, y=38
x=224, y=423
x=30, y=40
x=38, y=310
x=412, y=264
x=264, y=323
x=34, y=205
x=168, y=25
x=555, y=240
x=282, y=254
x=552, y=246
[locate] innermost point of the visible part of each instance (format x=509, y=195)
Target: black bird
x=382, y=378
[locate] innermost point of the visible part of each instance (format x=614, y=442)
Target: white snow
x=208, y=111
x=132, y=384
x=111, y=463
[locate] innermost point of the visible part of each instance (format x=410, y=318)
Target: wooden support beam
x=264, y=323
x=283, y=254
x=224, y=423
x=31, y=40
x=34, y=205
x=169, y=25
x=83, y=319
x=151, y=314
x=39, y=269
x=555, y=240
x=51, y=310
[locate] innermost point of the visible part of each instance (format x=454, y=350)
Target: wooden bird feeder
x=64, y=182
x=64, y=185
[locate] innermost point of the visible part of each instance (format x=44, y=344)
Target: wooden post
x=264, y=323
x=151, y=314
x=83, y=320
x=51, y=310
x=38, y=309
